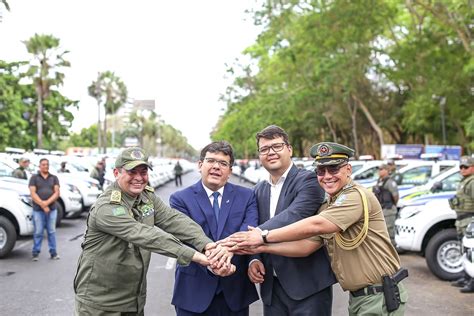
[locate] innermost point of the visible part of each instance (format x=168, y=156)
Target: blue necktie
x=215, y=204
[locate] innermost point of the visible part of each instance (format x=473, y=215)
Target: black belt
x=374, y=289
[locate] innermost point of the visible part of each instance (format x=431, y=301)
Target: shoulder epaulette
x=149, y=188
x=116, y=196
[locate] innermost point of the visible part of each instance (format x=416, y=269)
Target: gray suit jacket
x=300, y=197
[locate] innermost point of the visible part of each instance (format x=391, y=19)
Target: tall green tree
x=109, y=89
x=44, y=70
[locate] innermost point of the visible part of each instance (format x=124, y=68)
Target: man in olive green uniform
x=351, y=224
x=20, y=172
x=126, y=223
x=386, y=192
x=463, y=204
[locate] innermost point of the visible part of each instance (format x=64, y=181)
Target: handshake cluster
x=217, y=256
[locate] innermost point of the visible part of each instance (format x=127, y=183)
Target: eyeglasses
x=222, y=163
x=333, y=170
x=265, y=150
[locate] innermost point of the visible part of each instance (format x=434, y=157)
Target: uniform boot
x=461, y=282
x=469, y=287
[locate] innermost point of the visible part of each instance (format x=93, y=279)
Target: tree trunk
x=331, y=128
x=352, y=107
x=39, y=118
x=98, y=127
x=370, y=118
x=105, y=134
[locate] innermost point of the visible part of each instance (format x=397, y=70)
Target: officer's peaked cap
x=466, y=161
x=327, y=153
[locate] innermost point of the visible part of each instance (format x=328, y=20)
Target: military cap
x=131, y=157
x=327, y=153
x=466, y=161
x=384, y=166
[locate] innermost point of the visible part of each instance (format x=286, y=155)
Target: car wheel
x=7, y=236
x=60, y=216
x=443, y=255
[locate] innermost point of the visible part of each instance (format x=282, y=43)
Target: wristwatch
x=264, y=234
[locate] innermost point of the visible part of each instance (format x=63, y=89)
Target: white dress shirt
x=275, y=190
x=211, y=197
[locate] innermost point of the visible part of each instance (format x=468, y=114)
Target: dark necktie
x=215, y=204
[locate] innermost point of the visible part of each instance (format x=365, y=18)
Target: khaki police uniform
x=121, y=232
x=387, y=190
x=361, y=253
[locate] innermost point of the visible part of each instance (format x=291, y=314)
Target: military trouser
x=461, y=223
x=374, y=304
x=81, y=309
x=390, y=214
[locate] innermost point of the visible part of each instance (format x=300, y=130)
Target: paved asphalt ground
x=45, y=287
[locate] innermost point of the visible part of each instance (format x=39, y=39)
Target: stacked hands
x=218, y=255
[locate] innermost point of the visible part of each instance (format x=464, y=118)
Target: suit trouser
x=319, y=303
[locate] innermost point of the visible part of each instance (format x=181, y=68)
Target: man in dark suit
x=289, y=286
x=221, y=209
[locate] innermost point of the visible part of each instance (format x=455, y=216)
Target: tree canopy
x=356, y=73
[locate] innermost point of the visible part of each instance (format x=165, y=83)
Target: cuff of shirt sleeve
x=201, y=244
x=251, y=261
x=185, y=256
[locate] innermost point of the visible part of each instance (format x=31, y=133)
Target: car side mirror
x=437, y=186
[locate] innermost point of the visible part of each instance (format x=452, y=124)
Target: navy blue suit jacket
x=300, y=197
x=195, y=286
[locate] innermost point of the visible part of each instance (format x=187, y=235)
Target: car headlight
x=26, y=199
x=408, y=212
x=73, y=188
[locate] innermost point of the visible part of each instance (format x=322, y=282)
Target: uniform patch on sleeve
x=341, y=198
x=119, y=211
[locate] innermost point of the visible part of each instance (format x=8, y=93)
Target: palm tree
x=110, y=87
x=5, y=4
x=47, y=58
x=96, y=91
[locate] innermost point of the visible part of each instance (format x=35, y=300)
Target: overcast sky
x=170, y=51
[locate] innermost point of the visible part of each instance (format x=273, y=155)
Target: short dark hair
x=218, y=147
x=43, y=159
x=272, y=132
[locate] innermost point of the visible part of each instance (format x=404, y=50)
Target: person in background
x=20, y=172
x=98, y=172
x=386, y=191
x=44, y=189
x=63, y=168
x=126, y=223
x=463, y=204
x=178, y=172
x=221, y=208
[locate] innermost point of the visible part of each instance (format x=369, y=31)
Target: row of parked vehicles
x=425, y=223
x=78, y=191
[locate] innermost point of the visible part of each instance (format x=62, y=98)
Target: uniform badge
x=116, y=196
x=324, y=150
x=119, y=211
x=147, y=209
x=137, y=155
x=340, y=199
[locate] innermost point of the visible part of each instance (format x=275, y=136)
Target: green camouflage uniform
x=121, y=232
x=463, y=204
x=20, y=173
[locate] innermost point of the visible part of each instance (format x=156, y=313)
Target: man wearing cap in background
x=351, y=224
x=20, y=172
x=98, y=172
x=121, y=233
x=386, y=191
x=463, y=204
